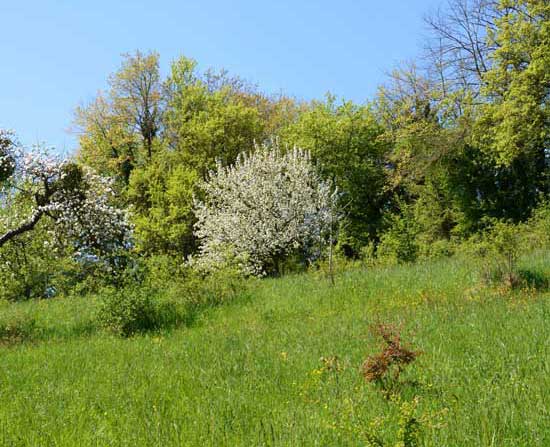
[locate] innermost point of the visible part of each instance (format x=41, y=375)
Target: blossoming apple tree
x=267, y=205
x=39, y=186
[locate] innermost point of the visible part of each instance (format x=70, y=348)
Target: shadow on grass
x=17, y=331
x=162, y=316
x=25, y=330
x=534, y=279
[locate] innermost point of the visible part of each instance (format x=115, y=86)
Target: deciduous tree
x=265, y=206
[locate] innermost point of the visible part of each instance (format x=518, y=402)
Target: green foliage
x=31, y=267
x=343, y=140
x=538, y=227
x=499, y=247
x=127, y=311
x=515, y=121
x=119, y=130
x=161, y=196
x=398, y=243
x=208, y=117
x=164, y=294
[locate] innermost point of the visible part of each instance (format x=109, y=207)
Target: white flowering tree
x=38, y=185
x=268, y=204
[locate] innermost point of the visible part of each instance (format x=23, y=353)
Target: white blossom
x=78, y=202
x=266, y=205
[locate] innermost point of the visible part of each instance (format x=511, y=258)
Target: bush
x=159, y=270
x=398, y=245
x=385, y=367
x=154, y=304
x=30, y=268
x=500, y=248
x=129, y=311
x=539, y=227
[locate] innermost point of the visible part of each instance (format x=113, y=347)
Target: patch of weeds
x=17, y=330
x=411, y=424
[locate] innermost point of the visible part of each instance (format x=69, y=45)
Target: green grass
x=249, y=372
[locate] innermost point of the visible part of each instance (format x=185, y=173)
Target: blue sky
x=57, y=54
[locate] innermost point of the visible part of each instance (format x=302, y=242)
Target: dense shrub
x=158, y=300
x=538, y=226
x=500, y=248
x=398, y=244
x=31, y=268
x=128, y=311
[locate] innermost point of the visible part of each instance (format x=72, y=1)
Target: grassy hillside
x=251, y=372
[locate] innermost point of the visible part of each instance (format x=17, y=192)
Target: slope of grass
x=251, y=372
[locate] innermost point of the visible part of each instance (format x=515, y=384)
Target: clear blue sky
x=56, y=54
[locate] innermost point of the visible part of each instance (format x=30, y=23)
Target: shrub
x=539, y=227
x=217, y=287
x=500, y=248
x=385, y=367
x=162, y=302
x=398, y=244
x=129, y=311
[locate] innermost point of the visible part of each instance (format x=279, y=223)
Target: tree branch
x=23, y=228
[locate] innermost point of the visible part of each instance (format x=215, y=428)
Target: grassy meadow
x=281, y=365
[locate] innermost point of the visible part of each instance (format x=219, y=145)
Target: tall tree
x=458, y=49
x=77, y=202
x=119, y=130
x=136, y=95
x=515, y=120
x=209, y=117
x=343, y=139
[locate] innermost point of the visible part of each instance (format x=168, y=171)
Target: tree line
x=450, y=144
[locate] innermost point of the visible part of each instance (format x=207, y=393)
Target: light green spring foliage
x=399, y=243
x=31, y=268
x=208, y=117
x=119, y=130
x=515, y=121
x=343, y=139
x=161, y=195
